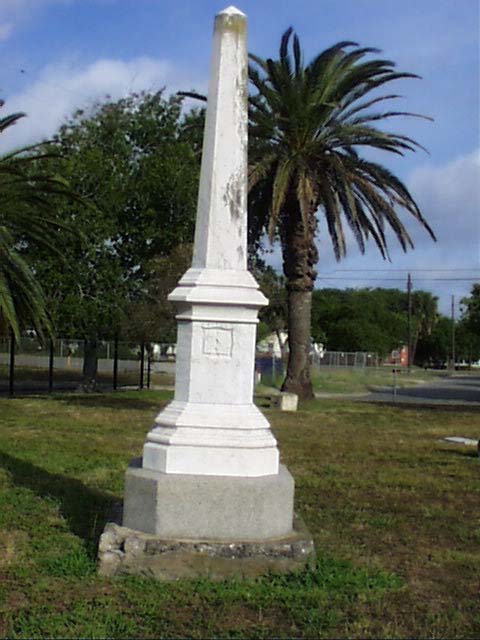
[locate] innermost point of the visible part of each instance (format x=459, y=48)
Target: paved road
x=459, y=389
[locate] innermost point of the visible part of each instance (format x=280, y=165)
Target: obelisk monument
x=210, y=469
x=212, y=427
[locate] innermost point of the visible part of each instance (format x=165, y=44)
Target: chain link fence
x=270, y=369
x=357, y=359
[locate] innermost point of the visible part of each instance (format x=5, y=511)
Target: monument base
x=124, y=551
x=202, y=507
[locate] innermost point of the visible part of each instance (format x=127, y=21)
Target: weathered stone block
x=125, y=551
x=208, y=507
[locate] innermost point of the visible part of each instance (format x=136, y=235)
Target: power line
x=402, y=270
x=380, y=279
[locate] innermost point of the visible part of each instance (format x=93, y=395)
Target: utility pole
x=409, y=325
x=453, y=332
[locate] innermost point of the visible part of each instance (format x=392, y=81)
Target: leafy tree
x=130, y=160
x=359, y=319
x=154, y=314
x=424, y=317
x=471, y=309
x=28, y=195
x=468, y=329
x=467, y=343
x=371, y=319
x=433, y=349
x=308, y=123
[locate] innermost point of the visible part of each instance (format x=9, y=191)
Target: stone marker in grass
x=209, y=496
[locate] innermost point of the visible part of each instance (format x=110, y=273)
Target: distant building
x=399, y=356
x=273, y=345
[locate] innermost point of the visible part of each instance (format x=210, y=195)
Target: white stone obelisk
x=210, y=464
x=212, y=427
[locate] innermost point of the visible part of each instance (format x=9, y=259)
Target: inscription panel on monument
x=217, y=340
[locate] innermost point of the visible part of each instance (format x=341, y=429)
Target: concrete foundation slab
x=208, y=507
x=125, y=551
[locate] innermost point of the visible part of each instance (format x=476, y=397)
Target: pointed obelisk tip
x=232, y=11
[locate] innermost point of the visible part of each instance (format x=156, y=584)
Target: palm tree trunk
x=299, y=259
x=298, y=378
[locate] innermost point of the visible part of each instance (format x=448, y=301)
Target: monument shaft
x=221, y=230
x=212, y=427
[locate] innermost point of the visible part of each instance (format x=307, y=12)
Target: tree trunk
x=298, y=378
x=299, y=259
x=90, y=365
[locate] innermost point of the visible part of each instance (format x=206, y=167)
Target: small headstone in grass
x=461, y=440
x=285, y=401
x=468, y=442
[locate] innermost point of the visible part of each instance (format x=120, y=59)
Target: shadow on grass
x=85, y=510
x=472, y=453
x=128, y=400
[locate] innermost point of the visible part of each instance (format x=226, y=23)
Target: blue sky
x=58, y=55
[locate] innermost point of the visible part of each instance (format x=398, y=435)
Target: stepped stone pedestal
x=210, y=478
x=207, y=506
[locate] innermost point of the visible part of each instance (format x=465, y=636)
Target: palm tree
x=425, y=316
x=307, y=123
x=26, y=192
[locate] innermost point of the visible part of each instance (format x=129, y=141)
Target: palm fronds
x=315, y=119
x=27, y=217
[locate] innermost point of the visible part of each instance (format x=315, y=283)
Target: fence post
x=149, y=361
x=50, y=366
x=115, y=362
x=142, y=363
x=12, y=363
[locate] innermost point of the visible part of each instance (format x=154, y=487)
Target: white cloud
x=62, y=88
x=15, y=12
x=449, y=195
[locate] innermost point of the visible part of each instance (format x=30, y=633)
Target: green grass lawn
x=393, y=510
x=362, y=379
